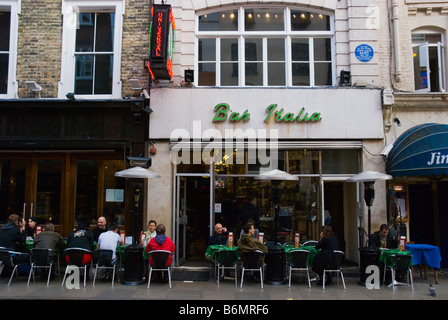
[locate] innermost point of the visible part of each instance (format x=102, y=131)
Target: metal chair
x=41, y=259
x=159, y=259
x=310, y=243
x=104, y=262
x=76, y=258
x=252, y=261
x=299, y=262
x=334, y=265
x=226, y=259
x=401, y=263
x=8, y=261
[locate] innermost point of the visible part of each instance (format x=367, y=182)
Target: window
x=429, y=62
x=8, y=48
x=91, y=49
x=265, y=47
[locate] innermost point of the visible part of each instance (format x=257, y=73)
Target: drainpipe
x=395, y=21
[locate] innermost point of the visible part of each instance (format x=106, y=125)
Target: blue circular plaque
x=364, y=52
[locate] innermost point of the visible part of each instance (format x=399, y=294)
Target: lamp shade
x=137, y=172
x=369, y=176
x=276, y=175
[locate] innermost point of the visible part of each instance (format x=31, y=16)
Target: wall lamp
x=397, y=121
x=33, y=86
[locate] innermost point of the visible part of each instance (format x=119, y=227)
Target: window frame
x=14, y=7
x=70, y=9
x=440, y=47
x=286, y=34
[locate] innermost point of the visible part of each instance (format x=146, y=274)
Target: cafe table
x=313, y=251
x=426, y=255
x=212, y=249
x=386, y=255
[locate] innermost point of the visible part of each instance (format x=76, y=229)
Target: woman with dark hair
x=328, y=242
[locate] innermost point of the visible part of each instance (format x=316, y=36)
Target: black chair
x=310, y=243
x=401, y=264
x=334, y=265
x=299, y=262
x=252, y=261
x=76, y=258
x=226, y=259
x=159, y=259
x=12, y=260
x=104, y=261
x=41, y=259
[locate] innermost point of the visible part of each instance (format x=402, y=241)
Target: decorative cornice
x=421, y=101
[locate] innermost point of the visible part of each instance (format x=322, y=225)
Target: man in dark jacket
x=49, y=239
x=219, y=237
x=81, y=237
x=13, y=233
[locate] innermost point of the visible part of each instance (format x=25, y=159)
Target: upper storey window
x=429, y=62
x=91, y=41
x=265, y=47
x=9, y=13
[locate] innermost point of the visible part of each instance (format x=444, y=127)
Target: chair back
x=226, y=258
x=105, y=257
x=76, y=256
x=310, y=243
x=6, y=258
x=299, y=258
x=159, y=258
x=334, y=259
x=41, y=257
x=251, y=260
x=402, y=262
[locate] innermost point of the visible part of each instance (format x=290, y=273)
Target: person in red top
x=161, y=242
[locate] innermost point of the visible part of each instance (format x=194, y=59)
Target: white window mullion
x=218, y=61
x=311, y=54
x=288, y=61
x=242, y=61
x=265, y=61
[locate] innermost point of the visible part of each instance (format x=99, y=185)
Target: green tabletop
x=386, y=256
x=313, y=251
x=210, y=252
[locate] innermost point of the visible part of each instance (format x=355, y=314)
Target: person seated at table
x=13, y=237
x=49, y=239
x=328, y=242
x=161, y=242
x=109, y=240
x=81, y=237
x=248, y=243
x=383, y=238
x=31, y=229
x=151, y=231
x=219, y=237
x=256, y=231
x=101, y=226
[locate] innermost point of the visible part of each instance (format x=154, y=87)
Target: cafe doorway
x=192, y=218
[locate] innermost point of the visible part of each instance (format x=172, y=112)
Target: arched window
x=265, y=47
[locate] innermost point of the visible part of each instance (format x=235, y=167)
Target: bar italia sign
x=223, y=113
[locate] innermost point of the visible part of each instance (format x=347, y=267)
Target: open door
x=181, y=220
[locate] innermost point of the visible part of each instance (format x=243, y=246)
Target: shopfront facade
x=211, y=165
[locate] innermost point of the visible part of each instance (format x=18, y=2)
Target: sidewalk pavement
x=226, y=290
